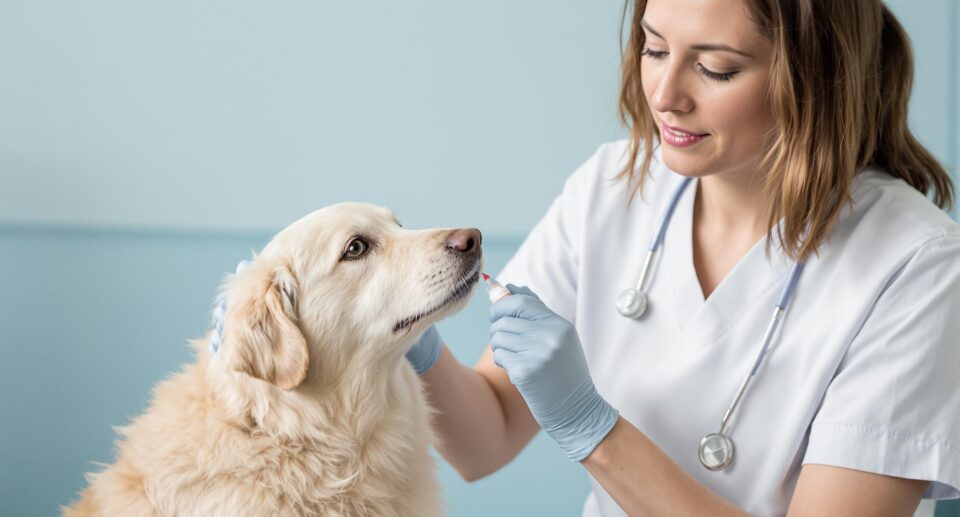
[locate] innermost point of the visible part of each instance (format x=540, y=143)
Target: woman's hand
x=542, y=355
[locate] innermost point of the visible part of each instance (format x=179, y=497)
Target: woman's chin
x=686, y=165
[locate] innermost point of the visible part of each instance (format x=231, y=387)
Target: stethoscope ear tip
x=632, y=303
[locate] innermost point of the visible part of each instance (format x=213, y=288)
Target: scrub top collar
x=750, y=289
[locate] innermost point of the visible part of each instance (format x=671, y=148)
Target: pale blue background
x=145, y=147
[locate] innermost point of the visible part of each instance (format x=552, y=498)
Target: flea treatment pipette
x=495, y=289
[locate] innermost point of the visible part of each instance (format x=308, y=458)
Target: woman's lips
x=680, y=138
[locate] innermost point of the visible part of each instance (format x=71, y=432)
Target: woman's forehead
x=704, y=22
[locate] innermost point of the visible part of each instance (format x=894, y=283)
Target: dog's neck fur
x=332, y=444
x=326, y=398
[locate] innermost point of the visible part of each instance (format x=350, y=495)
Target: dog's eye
x=356, y=248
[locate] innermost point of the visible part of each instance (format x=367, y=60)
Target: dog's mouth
x=459, y=292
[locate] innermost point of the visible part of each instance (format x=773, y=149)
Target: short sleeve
x=548, y=260
x=893, y=407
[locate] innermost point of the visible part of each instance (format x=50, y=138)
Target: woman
x=790, y=119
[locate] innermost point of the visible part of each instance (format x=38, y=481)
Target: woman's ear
x=261, y=335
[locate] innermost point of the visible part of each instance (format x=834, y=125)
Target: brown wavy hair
x=840, y=83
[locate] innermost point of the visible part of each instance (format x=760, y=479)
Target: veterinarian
x=750, y=305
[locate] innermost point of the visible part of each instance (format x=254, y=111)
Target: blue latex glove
x=221, y=311
x=425, y=351
x=542, y=355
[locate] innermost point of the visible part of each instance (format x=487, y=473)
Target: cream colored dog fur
x=308, y=407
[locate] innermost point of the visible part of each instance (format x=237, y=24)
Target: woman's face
x=705, y=70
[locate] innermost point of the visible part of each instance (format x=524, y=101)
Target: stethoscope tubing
x=661, y=232
x=779, y=310
x=772, y=327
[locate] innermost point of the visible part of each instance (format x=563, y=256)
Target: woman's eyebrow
x=699, y=46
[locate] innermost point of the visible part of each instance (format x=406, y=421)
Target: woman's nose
x=670, y=93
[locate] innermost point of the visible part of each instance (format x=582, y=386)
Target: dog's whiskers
x=459, y=292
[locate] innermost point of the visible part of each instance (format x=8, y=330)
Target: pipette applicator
x=495, y=289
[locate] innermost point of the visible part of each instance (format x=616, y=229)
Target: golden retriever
x=309, y=406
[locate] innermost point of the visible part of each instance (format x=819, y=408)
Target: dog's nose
x=465, y=241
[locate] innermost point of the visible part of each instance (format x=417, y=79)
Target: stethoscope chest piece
x=716, y=451
x=632, y=303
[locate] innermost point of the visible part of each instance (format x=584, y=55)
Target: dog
x=309, y=406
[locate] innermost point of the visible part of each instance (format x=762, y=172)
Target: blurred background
x=146, y=147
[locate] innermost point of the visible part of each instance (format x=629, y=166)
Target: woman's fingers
x=519, y=306
x=511, y=325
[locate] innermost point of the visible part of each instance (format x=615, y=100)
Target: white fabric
x=865, y=371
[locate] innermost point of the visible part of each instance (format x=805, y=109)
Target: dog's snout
x=465, y=241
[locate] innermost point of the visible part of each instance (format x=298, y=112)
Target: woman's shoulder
x=602, y=176
x=888, y=223
x=606, y=162
x=889, y=207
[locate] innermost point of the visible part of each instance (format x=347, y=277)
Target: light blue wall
x=241, y=114
x=146, y=147
x=954, y=93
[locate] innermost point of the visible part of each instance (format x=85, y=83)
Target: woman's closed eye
x=706, y=72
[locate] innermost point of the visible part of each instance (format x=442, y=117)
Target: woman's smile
x=678, y=137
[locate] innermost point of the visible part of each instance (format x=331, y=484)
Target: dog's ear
x=261, y=334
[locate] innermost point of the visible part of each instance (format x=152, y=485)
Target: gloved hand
x=425, y=351
x=221, y=311
x=542, y=355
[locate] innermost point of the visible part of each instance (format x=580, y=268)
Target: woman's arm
x=828, y=490
x=644, y=481
x=542, y=355
x=482, y=421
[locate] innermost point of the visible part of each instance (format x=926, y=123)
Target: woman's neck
x=731, y=205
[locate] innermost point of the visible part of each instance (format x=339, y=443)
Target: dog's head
x=345, y=283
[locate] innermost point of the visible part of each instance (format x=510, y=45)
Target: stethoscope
x=716, y=449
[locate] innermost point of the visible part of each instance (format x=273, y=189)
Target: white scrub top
x=864, y=373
